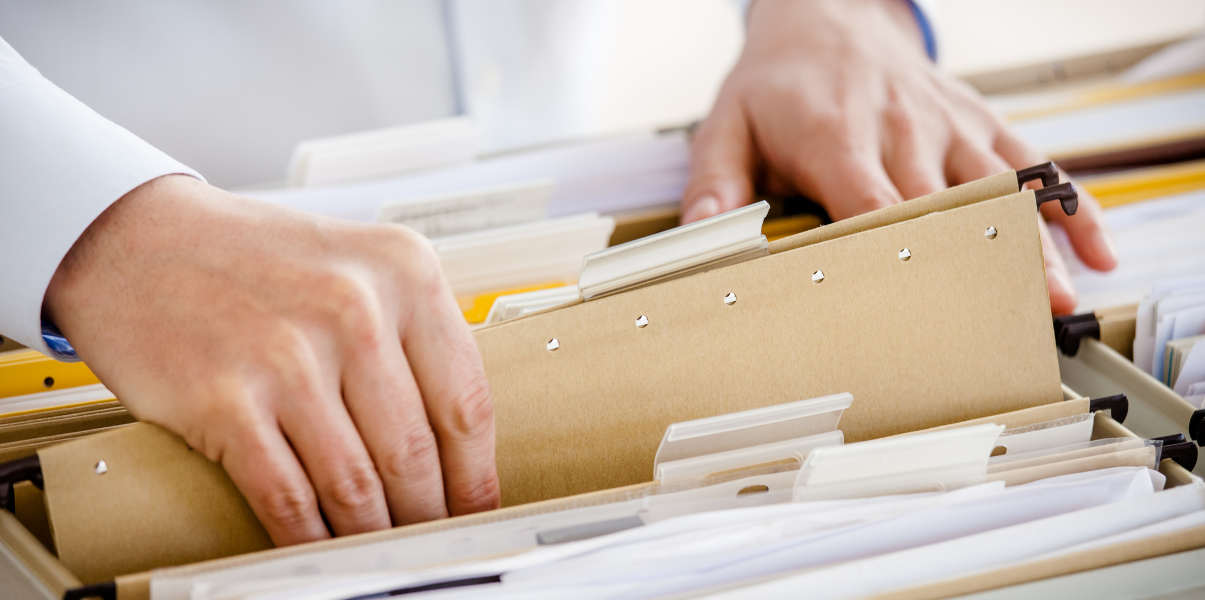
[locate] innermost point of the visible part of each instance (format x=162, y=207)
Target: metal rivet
x=729, y=298
x=642, y=321
x=990, y=232
x=101, y=467
x=553, y=344
x=905, y=254
x=817, y=276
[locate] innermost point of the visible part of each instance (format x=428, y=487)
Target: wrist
x=100, y=252
x=846, y=21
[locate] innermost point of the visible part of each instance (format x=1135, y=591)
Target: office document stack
x=1168, y=326
x=752, y=404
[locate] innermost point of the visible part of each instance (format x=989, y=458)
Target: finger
x=340, y=468
x=721, y=164
x=1058, y=281
x=451, y=377
x=968, y=161
x=847, y=177
x=263, y=467
x=914, y=168
x=385, y=403
x=847, y=183
x=1085, y=228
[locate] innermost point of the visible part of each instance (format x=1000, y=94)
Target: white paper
x=477, y=210
x=1182, y=312
x=1156, y=241
x=1115, y=124
x=606, y=175
x=984, y=550
x=1192, y=373
x=1145, y=320
x=691, y=552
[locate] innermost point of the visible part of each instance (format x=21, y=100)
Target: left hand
x=836, y=100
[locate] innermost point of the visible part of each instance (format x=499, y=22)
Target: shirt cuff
x=63, y=166
x=926, y=29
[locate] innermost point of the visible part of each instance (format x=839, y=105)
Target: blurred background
x=231, y=88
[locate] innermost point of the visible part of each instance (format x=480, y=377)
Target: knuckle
x=831, y=128
x=286, y=363
x=223, y=419
x=473, y=410
x=352, y=305
x=413, y=258
x=404, y=244
x=354, y=491
x=414, y=451
x=483, y=494
x=866, y=200
x=289, y=507
x=899, y=120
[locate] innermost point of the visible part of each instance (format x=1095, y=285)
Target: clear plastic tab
x=715, y=241
x=1048, y=434
x=751, y=428
x=697, y=470
x=918, y=462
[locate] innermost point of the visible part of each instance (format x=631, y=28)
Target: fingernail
x=702, y=208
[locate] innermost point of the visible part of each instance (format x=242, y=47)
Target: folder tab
x=745, y=429
x=726, y=238
x=921, y=462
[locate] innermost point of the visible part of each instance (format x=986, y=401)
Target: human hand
x=323, y=363
x=836, y=100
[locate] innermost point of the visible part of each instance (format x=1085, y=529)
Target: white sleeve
x=61, y=166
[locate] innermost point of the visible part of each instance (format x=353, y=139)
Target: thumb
x=721, y=165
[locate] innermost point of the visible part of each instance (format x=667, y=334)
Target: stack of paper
x=1170, y=322
x=1177, y=355
x=1155, y=240
x=475, y=210
x=607, y=175
x=1113, y=123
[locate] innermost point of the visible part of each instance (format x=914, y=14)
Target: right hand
x=837, y=101
x=323, y=363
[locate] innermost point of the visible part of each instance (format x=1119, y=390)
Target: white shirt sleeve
x=61, y=166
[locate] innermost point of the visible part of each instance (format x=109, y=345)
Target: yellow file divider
x=28, y=372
